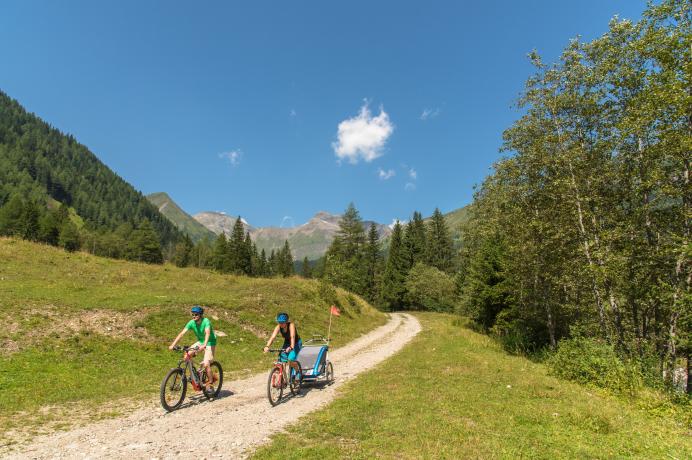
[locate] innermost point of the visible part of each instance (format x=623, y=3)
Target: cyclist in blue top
x=206, y=339
x=292, y=342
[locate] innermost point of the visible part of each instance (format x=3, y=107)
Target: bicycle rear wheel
x=275, y=387
x=329, y=373
x=295, y=379
x=173, y=389
x=216, y=380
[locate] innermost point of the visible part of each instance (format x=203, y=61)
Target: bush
x=593, y=362
x=428, y=288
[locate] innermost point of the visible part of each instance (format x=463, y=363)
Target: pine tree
x=307, y=273
x=237, y=249
x=439, y=249
x=285, y=260
x=344, y=259
x=263, y=264
x=10, y=214
x=183, y=252
x=219, y=256
x=145, y=245
x=393, y=288
x=372, y=260
x=415, y=239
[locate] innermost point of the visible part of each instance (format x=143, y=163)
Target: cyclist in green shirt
x=206, y=339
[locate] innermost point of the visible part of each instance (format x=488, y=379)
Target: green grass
x=55, y=307
x=453, y=393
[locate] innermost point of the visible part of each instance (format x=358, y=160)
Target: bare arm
x=271, y=339
x=292, y=330
x=177, y=339
x=207, y=332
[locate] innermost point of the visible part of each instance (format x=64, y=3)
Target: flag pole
x=329, y=331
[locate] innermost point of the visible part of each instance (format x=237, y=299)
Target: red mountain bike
x=174, y=385
x=281, y=376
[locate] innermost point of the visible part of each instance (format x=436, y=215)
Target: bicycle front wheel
x=216, y=380
x=275, y=387
x=173, y=389
x=296, y=378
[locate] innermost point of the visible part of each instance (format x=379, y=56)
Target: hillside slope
x=182, y=220
x=79, y=321
x=39, y=162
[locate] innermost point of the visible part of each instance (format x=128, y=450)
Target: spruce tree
x=219, y=255
x=393, y=288
x=307, y=273
x=415, y=239
x=439, y=248
x=237, y=249
x=372, y=261
x=145, y=245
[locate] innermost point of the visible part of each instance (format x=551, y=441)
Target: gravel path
x=230, y=427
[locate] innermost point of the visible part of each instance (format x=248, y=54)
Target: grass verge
x=454, y=393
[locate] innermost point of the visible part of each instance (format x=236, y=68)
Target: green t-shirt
x=199, y=331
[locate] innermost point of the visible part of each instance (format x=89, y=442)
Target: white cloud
x=410, y=186
x=413, y=174
x=233, y=156
x=429, y=113
x=363, y=136
x=384, y=175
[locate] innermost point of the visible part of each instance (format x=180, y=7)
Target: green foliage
x=593, y=199
x=439, y=249
x=393, y=287
x=592, y=362
x=68, y=238
x=428, y=288
x=144, y=245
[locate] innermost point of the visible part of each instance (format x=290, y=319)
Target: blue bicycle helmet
x=282, y=318
x=197, y=309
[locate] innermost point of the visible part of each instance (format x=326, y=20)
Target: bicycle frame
x=189, y=368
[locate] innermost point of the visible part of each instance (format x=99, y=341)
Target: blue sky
x=274, y=109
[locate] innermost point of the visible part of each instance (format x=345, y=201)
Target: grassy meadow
x=84, y=335
x=453, y=393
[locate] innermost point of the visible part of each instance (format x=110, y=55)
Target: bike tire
x=216, y=372
x=329, y=373
x=294, y=383
x=173, y=389
x=274, y=391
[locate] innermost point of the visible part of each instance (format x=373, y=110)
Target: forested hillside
x=580, y=239
x=37, y=162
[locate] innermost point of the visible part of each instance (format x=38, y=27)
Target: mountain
x=310, y=239
x=40, y=163
x=182, y=220
x=219, y=222
x=455, y=219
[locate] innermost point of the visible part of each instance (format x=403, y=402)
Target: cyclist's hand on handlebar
x=288, y=348
x=266, y=349
x=171, y=347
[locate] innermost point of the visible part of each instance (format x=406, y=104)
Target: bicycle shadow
x=305, y=389
x=199, y=398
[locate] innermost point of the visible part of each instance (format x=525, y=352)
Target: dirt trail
x=230, y=427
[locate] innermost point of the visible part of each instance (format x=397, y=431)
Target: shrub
x=428, y=288
x=593, y=362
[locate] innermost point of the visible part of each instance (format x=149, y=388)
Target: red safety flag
x=335, y=311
